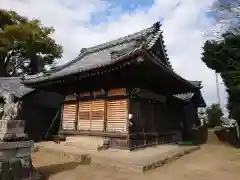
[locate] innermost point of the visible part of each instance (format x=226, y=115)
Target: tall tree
x=214, y=113
x=25, y=45
x=223, y=56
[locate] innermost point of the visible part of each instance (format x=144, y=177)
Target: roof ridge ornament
x=83, y=50
x=157, y=25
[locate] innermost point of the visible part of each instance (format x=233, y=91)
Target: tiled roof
x=14, y=85
x=101, y=55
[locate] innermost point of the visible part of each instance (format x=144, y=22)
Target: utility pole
x=217, y=88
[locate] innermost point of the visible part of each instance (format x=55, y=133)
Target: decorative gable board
x=98, y=93
x=116, y=92
x=70, y=97
x=85, y=94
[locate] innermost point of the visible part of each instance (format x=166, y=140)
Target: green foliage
x=22, y=39
x=214, y=113
x=223, y=56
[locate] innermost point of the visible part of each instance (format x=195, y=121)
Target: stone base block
x=15, y=150
x=19, y=169
x=7, y=137
x=12, y=130
x=12, y=126
x=16, y=162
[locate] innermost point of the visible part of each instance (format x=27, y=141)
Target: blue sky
x=117, y=7
x=132, y=5
x=86, y=23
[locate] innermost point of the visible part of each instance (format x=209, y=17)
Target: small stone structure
x=15, y=148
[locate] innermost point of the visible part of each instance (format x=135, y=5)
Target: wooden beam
x=77, y=112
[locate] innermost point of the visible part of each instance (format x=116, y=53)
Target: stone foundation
x=17, y=169
x=15, y=161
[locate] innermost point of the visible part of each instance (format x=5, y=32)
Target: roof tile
x=14, y=85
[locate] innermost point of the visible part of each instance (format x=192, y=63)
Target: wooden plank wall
x=91, y=115
x=97, y=114
x=84, y=116
x=69, y=115
x=117, y=114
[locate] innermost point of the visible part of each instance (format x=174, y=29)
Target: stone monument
x=15, y=148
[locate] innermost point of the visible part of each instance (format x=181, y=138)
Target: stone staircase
x=89, y=143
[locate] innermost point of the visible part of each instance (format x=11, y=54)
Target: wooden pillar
x=145, y=140
x=77, y=111
x=105, y=116
x=128, y=128
x=105, y=110
x=129, y=144
x=61, y=118
x=154, y=115
x=156, y=138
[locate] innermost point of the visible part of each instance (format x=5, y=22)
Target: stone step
x=140, y=166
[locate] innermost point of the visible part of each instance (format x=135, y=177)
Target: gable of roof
x=200, y=102
x=196, y=83
x=107, y=53
x=14, y=85
x=185, y=96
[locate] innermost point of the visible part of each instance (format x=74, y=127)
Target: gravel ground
x=212, y=161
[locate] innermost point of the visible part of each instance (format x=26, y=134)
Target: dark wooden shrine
x=38, y=110
x=125, y=91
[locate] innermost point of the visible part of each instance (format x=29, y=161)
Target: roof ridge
x=84, y=51
x=121, y=40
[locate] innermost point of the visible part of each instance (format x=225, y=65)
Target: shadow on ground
x=50, y=170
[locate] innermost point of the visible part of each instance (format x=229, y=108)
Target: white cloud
x=183, y=26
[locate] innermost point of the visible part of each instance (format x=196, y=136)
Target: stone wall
x=229, y=136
